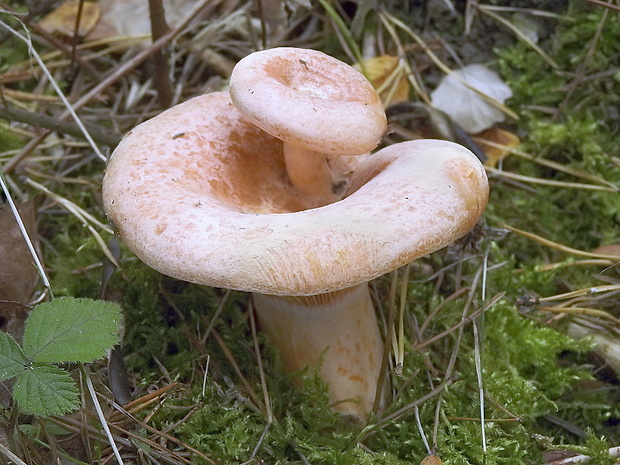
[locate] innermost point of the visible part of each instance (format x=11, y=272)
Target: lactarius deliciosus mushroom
x=204, y=193
x=317, y=105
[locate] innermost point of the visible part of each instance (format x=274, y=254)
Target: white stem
x=309, y=173
x=339, y=331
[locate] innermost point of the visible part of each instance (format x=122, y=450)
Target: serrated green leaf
x=71, y=330
x=46, y=390
x=12, y=358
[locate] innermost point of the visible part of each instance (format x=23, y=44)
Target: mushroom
x=317, y=105
x=203, y=194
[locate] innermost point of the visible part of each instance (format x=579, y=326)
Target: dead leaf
x=431, y=460
x=609, y=249
x=455, y=96
x=387, y=77
x=18, y=276
x=62, y=20
x=496, y=143
x=13, y=318
x=559, y=455
x=129, y=19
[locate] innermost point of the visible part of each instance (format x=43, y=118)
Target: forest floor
x=489, y=363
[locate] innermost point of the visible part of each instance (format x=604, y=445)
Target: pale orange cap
x=309, y=99
x=201, y=194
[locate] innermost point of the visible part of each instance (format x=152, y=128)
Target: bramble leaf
x=12, y=358
x=71, y=330
x=46, y=390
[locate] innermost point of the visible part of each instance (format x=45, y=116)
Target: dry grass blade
x=529, y=11
x=161, y=435
x=344, y=31
x=100, y=415
x=144, y=401
x=70, y=110
x=582, y=292
x=609, y=5
x=263, y=381
x=594, y=312
x=107, y=81
x=554, y=266
x=372, y=429
x=461, y=323
x=411, y=76
x=10, y=455
x=563, y=168
x=158, y=45
x=256, y=403
x=22, y=228
x=560, y=247
x=519, y=34
x=584, y=63
x=548, y=182
x=86, y=218
x=398, y=339
x=386, y=17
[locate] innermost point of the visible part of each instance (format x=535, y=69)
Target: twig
x=603, y=4
x=38, y=9
x=10, y=455
x=583, y=65
x=159, y=433
x=115, y=75
x=69, y=109
x=53, y=124
x=130, y=65
x=62, y=47
x=161, y=75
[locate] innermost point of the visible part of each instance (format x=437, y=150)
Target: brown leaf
x=18, y=275
x=387, y=78
x=496, y=143
x=62, y=20
x=431, y=460
x=559, y=455
x=609, y=249
x=13, y=318
x=129, y=20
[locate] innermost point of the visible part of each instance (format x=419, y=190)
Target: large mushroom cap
x=201, y=194
x=309, y=99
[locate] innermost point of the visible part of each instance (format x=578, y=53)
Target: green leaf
x=46, y=390
x=71, y=330
x=12, y=358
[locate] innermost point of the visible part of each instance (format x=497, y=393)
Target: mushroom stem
x=337, y=331
x=309, y=173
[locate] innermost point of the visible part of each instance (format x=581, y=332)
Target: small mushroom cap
x=192, y=190
x=307, y=98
